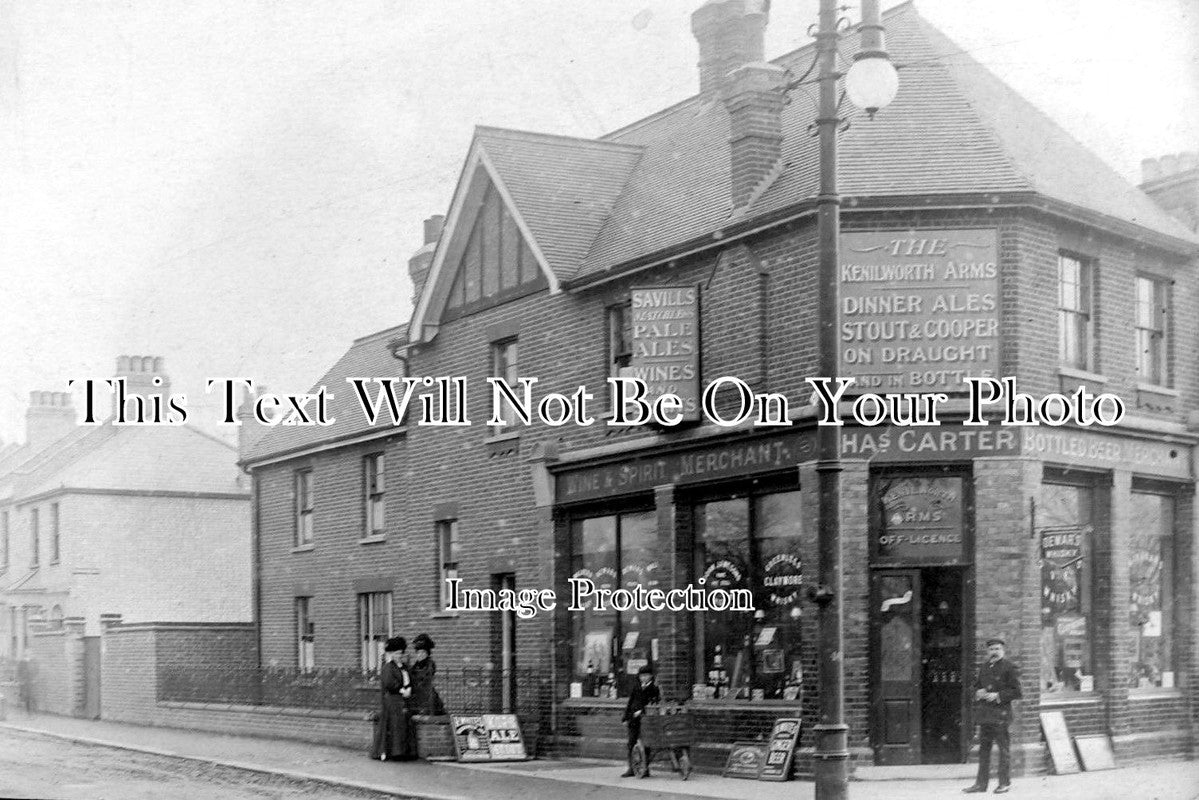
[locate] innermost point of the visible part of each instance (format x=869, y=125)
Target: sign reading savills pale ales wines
x=919, y=309
x=665, y=339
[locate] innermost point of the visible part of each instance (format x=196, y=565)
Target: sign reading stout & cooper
x=665, y=339
x=919, y=309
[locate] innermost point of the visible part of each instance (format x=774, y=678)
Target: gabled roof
x=564, y=188
x=139, y=458
x=559, y=190
x=368, y=357
x=953, y=129
x=659, y=185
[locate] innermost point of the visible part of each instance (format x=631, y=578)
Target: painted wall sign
x=783, y=576
x=919, y=309
x=919, y=520
x=726, y=460
x=934, y=443
x=1061, y=566
x=1086, y=448
x=665, y=321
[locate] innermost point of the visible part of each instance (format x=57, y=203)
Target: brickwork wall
x=135, y=656
x=758, y=302
x=57, y=670
x=128, y=675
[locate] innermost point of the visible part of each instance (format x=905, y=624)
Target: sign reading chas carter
x=919, y=309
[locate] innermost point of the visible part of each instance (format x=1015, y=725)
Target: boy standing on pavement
x=997, y=685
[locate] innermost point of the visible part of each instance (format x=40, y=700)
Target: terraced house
x=978, y=240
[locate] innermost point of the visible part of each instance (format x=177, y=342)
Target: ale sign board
x=665, y=339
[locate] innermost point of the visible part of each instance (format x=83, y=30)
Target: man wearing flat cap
x=395, y=739
x=995, y=687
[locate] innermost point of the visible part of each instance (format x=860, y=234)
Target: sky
x=237, y=185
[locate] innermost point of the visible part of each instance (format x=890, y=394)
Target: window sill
x=1156, y=389
x=1155, y=693
x=1071, y=699
x=372, y=539
x=1081, y=374
x=502, y=437
x=444, y=615
x=303, y=548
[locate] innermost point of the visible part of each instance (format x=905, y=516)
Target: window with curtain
x=374, y=629
x=1075, y=281
x=1151, y=341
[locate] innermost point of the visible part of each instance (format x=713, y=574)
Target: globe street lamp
x=871, y=84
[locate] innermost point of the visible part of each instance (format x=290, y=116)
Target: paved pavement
x=576, y=779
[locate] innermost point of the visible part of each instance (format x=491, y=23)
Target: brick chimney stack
x=422, y=259
x=50, y=417
x=144, y=376
x=1172, y=181
x=730, y=33
x=731, y=36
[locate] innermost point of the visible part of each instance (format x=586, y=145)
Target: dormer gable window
x=496, y=264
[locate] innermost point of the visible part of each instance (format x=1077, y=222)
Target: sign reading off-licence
x=919, y=309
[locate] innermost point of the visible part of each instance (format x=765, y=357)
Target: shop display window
x=750, y=543
x=1064, y=523
x=1151, y=582
x=614, y=551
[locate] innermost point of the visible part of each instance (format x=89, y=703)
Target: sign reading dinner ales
x=665, y=340
x=919, y=309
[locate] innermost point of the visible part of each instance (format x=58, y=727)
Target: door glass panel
x=897, y=649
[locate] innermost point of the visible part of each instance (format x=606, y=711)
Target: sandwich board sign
x=1061, y=749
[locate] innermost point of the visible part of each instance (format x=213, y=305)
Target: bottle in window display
x=718, y=677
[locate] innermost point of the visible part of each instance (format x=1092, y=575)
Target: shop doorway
x=917, y=656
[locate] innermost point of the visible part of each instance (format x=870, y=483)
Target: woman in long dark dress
x=425, y=699
x=395, y=739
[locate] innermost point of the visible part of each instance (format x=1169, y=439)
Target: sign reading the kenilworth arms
x=665, y=339
x=919, y=309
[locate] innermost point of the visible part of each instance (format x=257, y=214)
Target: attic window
x=496, y=265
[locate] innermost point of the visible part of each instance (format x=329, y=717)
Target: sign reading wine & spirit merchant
x=919, y=309
x=665, y=340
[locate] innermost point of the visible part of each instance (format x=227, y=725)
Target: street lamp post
x=871, y=83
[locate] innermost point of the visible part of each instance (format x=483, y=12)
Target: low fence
x=468, y=690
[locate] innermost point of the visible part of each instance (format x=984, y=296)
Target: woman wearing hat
x=394, y=737
x=425, y=699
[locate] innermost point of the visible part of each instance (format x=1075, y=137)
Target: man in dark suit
x=644, y=694
x=997, y=685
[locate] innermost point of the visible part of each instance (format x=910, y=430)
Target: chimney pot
x=730, y=33
x=433, y=226
x=1169, y=164
x=1188, y=161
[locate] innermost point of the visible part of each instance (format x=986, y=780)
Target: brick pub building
x=978, y=240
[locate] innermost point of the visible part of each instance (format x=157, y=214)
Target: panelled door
x=896, y=642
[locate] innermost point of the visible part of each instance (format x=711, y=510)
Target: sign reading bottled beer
x=665, y=321
x=919, y=309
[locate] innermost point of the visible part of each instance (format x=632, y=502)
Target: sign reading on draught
x=665, y=322
x=919, y=309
